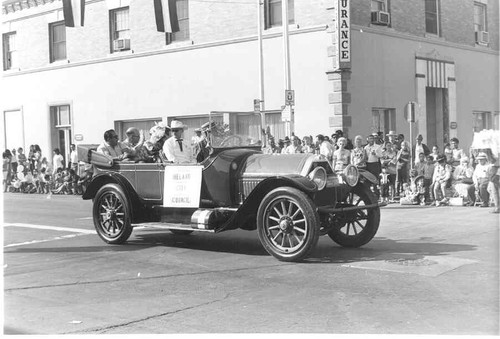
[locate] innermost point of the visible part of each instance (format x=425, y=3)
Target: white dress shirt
x=373, y=157
x=173, y=152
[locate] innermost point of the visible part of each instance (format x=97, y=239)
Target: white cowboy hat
x=176, y=124
x=392, y=133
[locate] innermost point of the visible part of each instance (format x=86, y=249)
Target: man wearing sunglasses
x=112, y=147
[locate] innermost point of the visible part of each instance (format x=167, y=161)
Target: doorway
x=61, y=130
x=438, y=131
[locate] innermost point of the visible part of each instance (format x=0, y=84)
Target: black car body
x=290, y=199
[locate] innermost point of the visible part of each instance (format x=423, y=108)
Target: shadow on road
x=245, y=245
x=413, y=250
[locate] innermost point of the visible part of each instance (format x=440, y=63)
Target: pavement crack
x=142, y=278
x=105, y=329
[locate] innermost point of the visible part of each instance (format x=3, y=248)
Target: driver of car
x=176, y=149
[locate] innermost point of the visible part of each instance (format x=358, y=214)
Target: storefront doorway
x=438, y=132
x=61, y=133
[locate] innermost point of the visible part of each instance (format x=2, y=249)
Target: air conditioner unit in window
x=381, y=18
x=121, y=44
x=482, y=37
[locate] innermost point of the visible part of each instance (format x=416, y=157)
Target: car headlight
x=351, y=175
x=318, y=176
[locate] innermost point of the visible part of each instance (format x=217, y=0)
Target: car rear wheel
x=112, y=214
x=358, y=227
x=288, y=224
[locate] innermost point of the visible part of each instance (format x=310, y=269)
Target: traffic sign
x=289, y=97
x=410, y=111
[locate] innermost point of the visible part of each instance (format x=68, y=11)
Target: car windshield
x=234, y=129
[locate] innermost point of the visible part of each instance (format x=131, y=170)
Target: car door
x=149, y=181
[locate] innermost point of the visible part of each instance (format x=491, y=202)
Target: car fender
x=106, y=178
x=365, y=175
x=248, y=209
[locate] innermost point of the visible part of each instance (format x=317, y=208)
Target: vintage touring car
x=290, y=199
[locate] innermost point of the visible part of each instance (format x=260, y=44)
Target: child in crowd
x=49, y=182
x=420, y=164
x=58, y=180
x=388, y=161
x=36, y=181
x=417, y=187
x=435, y=153
x=15, y=185
x=45, y=164
x=428, y=172
x=68, y=179
x=442, y=173
x=406, y=193
x=384, y=185
x=21, y=157
x=27, y=183
x=42, y=182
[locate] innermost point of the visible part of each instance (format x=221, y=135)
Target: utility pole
x=261, y=66
x=286, y=61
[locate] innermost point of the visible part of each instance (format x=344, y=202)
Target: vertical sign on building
x=344, y=27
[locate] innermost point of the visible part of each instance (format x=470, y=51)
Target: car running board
x=169, y=226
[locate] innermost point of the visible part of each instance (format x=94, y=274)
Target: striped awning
x=436, y=74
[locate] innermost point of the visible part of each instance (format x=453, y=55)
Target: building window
x=61, y=116
x=9, y=50
x=480, y=23
x=57, y=41
x=379, y=5
x=485, y=120
x=480, y=17
x=183, y=17
x=120, y=31
x=432, y=16
x=383, y=120
x=380, y=12
x=272, y=13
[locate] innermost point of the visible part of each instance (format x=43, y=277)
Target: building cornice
x=432, y=41
x=11, y=6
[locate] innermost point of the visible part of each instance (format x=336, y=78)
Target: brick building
x=63, y=84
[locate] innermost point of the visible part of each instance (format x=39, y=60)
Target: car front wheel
x=288, y=224
x=112, y=214
x=357, y=227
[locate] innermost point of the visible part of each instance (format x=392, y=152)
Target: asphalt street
x=429, y=270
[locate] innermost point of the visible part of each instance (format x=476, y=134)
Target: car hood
x=277, y=164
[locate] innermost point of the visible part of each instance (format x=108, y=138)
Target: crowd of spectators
x=33, y=173
x=408, y=174
x=405, y=173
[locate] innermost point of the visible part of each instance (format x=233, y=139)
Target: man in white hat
x=480, y=177
x=175, y=148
